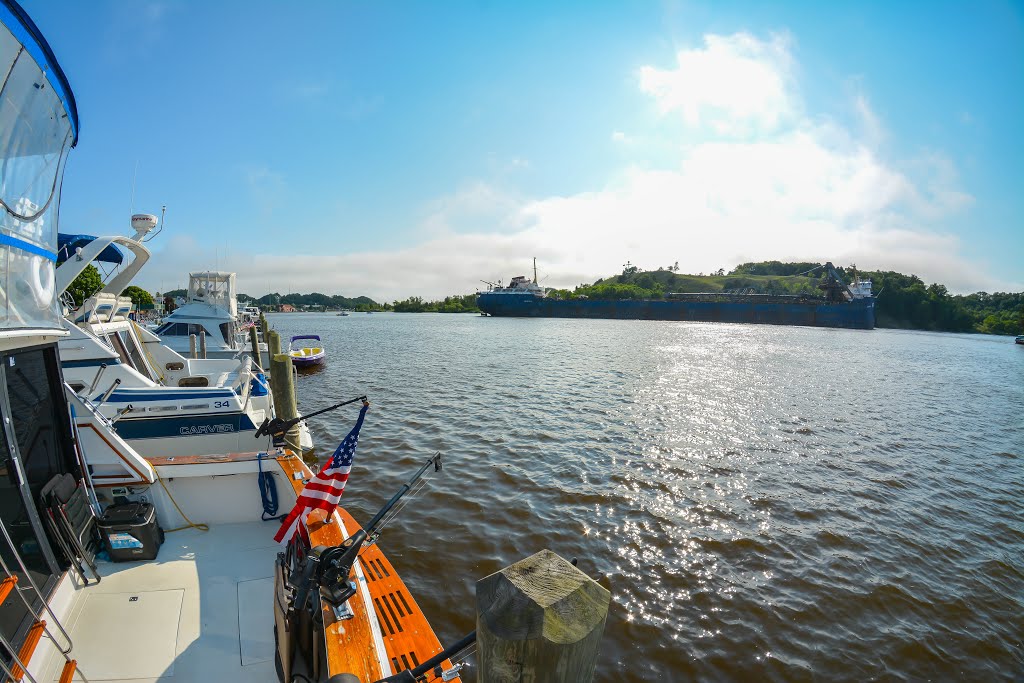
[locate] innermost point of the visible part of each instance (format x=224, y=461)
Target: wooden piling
x=282, y=387
x=202, y=344
x=254, y=342
x=539, y=620
x=274, y=343
x=264, y=325
x=192, y=345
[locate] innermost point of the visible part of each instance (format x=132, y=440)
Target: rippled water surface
x=765, y=502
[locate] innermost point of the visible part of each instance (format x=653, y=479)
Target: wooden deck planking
x=408, y=637
x=349, y=643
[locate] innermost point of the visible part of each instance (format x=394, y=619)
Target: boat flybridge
x=211, y=310
x=156, y=396
x=117, y=565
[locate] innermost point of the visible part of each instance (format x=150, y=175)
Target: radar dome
x=143, y=222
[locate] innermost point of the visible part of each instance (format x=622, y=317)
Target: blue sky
x=397, y=149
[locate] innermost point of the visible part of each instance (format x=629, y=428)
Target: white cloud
x=735, y=84
x=763, y=181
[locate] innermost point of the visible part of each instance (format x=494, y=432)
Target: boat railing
x=18, y=656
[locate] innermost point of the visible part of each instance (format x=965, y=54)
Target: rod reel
x=334, y=565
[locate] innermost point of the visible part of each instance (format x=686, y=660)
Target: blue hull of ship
x=858, y=314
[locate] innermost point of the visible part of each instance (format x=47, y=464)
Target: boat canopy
x=215, y=288
x=73, y=262
x=38, y=126
x=68, y=244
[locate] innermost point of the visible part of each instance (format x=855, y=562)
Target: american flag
x=323, y=491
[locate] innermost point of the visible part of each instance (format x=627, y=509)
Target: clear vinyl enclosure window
x=35, y=135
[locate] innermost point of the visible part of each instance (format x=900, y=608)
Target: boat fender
x=41, y=281
x=259, y=385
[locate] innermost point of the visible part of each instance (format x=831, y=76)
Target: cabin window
x=173, y=330
x=228, y=331
x=180, y=330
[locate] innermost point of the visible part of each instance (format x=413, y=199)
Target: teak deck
x=408, y=638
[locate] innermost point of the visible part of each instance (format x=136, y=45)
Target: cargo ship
x=841, y=305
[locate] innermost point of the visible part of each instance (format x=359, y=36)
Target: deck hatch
x=139, y=638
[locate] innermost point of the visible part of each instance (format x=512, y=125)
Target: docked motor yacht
x=211, y=309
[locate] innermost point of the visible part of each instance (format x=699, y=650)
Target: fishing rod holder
x=107, y=393
x=121, y=413
x=96, y=379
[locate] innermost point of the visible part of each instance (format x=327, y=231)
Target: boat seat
x=96, y=308
x=122, y=307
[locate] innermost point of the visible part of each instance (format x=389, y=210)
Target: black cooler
x=130, y=532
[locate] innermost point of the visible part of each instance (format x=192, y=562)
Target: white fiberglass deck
x=201, y=611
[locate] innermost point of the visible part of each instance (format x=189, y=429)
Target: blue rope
x=268, y=491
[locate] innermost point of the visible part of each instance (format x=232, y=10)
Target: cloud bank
x=754, y=177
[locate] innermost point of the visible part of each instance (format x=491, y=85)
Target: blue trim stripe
x=9, y=241
x=122, y=396
x=132, y=429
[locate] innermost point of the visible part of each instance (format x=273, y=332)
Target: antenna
x=135, y=173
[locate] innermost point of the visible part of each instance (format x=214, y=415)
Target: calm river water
x=765, y=502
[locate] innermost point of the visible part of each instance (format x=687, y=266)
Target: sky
x=396, y=149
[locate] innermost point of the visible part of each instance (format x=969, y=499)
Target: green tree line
x=336, y=301
x=465, y=303
x=905, y=301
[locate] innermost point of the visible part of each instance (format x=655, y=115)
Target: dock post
x=283, y=388
x=539, y=620
x=192, y=345
x=274, y=343
x=202, y=344
x=264, y=325
x=254, y=342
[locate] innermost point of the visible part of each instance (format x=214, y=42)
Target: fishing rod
x=333, y=565
x=278, y=427
x=412, y=675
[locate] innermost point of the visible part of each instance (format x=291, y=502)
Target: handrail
x=35, y=588
x=17, y=660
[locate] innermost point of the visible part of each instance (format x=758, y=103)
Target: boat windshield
x=38, y=125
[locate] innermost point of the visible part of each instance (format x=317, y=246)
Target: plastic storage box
x=130, y=532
